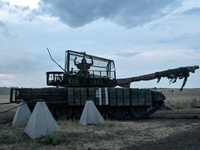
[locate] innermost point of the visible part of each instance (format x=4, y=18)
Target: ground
x=177, y=126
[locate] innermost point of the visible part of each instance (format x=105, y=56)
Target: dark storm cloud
x=129, y=13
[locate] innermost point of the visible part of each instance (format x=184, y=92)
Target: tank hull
x=113, y=103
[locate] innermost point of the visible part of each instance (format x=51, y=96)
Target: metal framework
x=84, y=70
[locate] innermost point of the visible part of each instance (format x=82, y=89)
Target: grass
x=103, y=136
x=176, y=99
x=177, y=104
x=71, y=132
x=13, y=135
x=111, y=135
x=56, y=138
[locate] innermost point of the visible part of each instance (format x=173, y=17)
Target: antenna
x=54, y=60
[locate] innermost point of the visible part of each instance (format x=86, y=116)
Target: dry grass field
x=8, y=115
x=176, y=99
x=152, y=133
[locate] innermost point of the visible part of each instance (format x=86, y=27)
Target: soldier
x=83, y=66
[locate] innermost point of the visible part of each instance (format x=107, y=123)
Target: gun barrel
x=172, y=74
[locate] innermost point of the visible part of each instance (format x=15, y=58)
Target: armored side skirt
x=79, y=96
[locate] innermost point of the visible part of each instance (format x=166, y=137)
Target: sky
x=142, y=37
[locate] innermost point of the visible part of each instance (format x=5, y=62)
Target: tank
x=87, y=77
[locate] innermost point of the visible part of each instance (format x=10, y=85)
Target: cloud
x=1, y=4
x=2, y=24
x=4, y=29
x=6, y=79
x=16, y=65
x=192, y=11
x=174, y=39
x=125, y=13
x=127, y=54
x=6, y=76
x=16, y=14
x=30, y=3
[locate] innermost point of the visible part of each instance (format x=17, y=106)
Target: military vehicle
x=87, y=77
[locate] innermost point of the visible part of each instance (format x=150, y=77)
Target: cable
x=10, y=109
x=5, y=103
x=37, y=100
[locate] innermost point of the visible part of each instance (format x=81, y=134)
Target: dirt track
x=188, y=140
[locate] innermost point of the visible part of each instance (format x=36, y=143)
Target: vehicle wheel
x=64, y=112
x=78, y=112
x=119, y=113
x=138, y=112
x=104, y=112
x=51, y=108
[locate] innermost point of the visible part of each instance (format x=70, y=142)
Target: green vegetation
x=56, y=138
x=14, y=139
